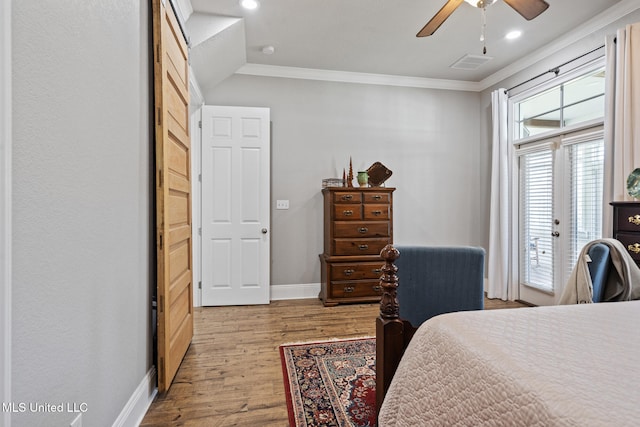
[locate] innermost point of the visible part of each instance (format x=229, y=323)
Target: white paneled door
x=235, y=205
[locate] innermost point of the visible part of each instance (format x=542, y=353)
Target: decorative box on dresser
x=626, y=226
x=358, y=223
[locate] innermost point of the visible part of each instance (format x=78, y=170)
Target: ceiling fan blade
x=439, y=18
x=529, y=9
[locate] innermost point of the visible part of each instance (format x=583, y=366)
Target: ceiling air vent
x=470, y=62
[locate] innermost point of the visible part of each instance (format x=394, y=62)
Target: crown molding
x=612, y=14
x=351, y=77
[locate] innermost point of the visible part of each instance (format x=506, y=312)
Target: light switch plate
x=282, y=204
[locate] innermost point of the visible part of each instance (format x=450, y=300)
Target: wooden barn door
x=173, y=193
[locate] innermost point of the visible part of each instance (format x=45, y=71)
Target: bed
x=575, y=365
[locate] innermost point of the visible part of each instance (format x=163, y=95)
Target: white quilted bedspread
x=575, y=365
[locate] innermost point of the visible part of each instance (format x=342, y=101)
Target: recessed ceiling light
x=249, y=4
x=513, y=34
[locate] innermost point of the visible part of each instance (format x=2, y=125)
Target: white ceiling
x=378, y=36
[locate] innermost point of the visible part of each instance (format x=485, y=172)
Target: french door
x=560, y=209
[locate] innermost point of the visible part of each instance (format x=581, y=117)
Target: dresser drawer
x=347, y=197
x=359, y=246
x=346, y=212
x=629, y=218
x=356, y=289
x=631, y=242
x=377, y=197
x=353, y=271
x=377, y=211
x=362, y=229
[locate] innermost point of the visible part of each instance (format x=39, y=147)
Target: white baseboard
x=139, y=402
x=302, y=291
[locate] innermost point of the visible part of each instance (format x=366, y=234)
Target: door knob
x=556, y=234
x=264, y=231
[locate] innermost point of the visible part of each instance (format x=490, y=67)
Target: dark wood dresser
x=358, y=223
x=626, y=226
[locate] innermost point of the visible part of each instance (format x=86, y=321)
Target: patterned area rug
x=331, y=383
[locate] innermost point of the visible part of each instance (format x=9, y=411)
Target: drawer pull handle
x=347, y=213
x=349, y=289
x=377, y=213
x=377, y=270
x=377, y=288
x=635, y=248
x=363, y=247
x=363, y=230
x=347, y=197
x=377, y=197
x=635, y=219
x=348, y=272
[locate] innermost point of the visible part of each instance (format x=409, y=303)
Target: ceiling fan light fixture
x=480, y=3
x=528, y=9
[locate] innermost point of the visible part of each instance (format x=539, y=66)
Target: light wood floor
x=232, y=374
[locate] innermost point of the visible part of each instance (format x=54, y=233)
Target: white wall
x=5, y=207
x=82, y=244
x=428, y=138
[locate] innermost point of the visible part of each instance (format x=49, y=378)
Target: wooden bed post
x=389, y=328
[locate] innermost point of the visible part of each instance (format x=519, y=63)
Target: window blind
x=536, y=213
x=585, y=162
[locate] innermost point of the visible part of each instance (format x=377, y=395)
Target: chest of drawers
x=626, y=226
x=358, y=223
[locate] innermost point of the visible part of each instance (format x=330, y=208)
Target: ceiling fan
x=529, y=9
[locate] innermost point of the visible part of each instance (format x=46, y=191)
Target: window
x=567, y=104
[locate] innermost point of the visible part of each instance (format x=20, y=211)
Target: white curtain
x=622, y=116
x=499, y=220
